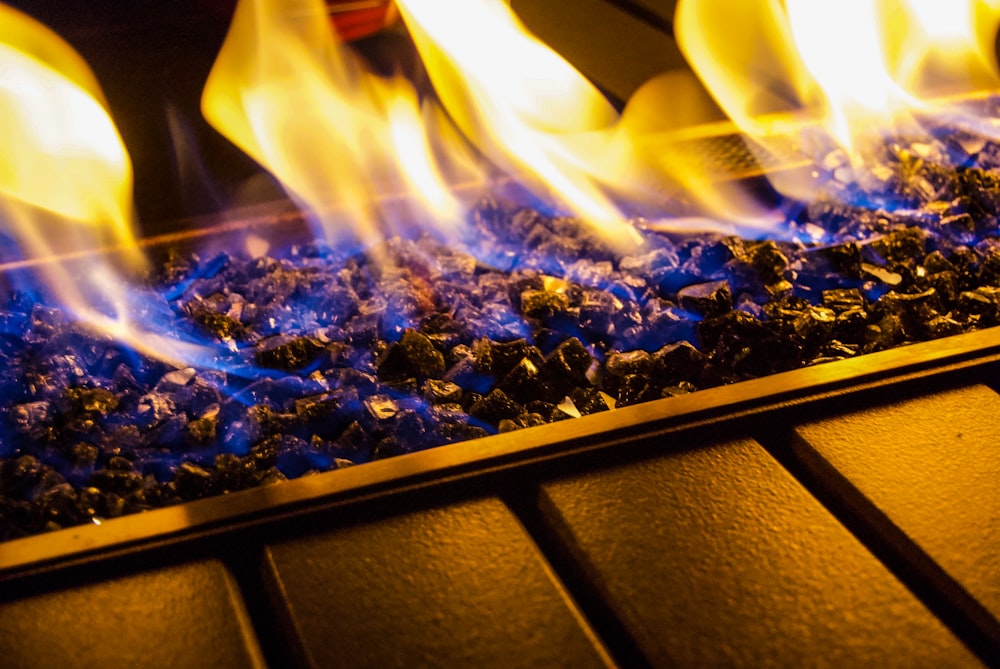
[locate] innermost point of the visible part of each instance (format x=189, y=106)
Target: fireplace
x=842, y=511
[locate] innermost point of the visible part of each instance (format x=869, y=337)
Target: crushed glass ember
x=331, y=360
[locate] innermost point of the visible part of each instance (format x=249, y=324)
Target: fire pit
x=323, y=361
x=322, y=358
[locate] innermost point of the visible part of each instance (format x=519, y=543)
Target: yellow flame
x=65, y=184
x=943, y=47
x=338, y=137
x=850, y=72
x=519, y=102
x=856, y=67
x=62, y=151
x=667, y=132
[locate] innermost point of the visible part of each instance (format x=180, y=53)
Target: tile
x=718, y=557
x=185, y=616
x=932, y=465
x=458, y=586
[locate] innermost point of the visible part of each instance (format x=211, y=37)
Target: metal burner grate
x=732, y=156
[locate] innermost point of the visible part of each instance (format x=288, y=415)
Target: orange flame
x=65, y=154
x=519, y=102
x=854, y=67
x=66, y=181
x=337, y=136
x=533, y=114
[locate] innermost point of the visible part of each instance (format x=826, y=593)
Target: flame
x=338, y=137
x=67, y=156
x=667, y=131
x=66, y=183
x=521, y=103
x=943, y=47
x=533, y=114
x=854, y=67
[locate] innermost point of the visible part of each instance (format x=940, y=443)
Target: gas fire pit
x=322, y=360
x=688, y=448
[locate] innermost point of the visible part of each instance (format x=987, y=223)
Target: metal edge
x=556, y=440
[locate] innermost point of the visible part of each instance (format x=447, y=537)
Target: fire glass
x=326, y=359
x=300, y=356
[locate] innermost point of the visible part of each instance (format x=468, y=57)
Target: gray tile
x=186, y=616
x=460, y=586
x=718, y=557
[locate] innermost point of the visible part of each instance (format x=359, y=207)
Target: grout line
x=527, y=504
x=250, y=633
x=959, y=611
x=574, y=608
x=247, y=565
x=992, y=383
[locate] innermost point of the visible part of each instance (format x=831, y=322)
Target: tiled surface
x=932, y=465
x=713, y=555
x=460, y=586
x=718, y=557
x=185, y=616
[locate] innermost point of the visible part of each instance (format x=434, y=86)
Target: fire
x=65, y=154
x=369, y=154
x=340, y=137
x=855, y=68
x=66, y=184
x=946, y=47
x=521, y=103
x=663, y=133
